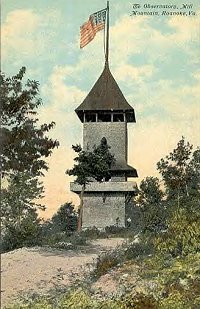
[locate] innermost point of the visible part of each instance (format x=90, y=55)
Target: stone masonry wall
x=114, y=132
x=102, y=209
x=105, y=208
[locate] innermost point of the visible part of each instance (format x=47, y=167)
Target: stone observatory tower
x=106, y=113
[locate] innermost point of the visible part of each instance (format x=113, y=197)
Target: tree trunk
x=80, y=219
x=178, y=196
x=187, y=193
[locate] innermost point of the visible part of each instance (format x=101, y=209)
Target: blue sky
x=155, y=61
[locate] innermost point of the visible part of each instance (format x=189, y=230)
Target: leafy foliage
x=65, y=220
x=182, y=236
x=128, y=251
x=61, y=240
x=93, y=233
x=150, y=200
x=92, y=164
x=172, y=215
x=150, y=192
x=106, y=261
x=81, y=299
x=20, y=222
x=59, y=231
x=25, y=234
x=180, y=171
x=24, y=142
x=175, y=280
x=140, y=301
x=25, y=145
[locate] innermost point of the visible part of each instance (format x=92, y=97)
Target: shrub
x=82, y=299
x=175, y=281
x=65, y=220
x=119, y=231
x=110, y=231
x=25, y=234
x=77, y=299
x=63, y=241
x=54, y=238
x=93, y=233
x=106, y=261
x=77, y=239
x=179, y=297
x=126, y=252
x=182, y=236
x=138, y=250
x=38, y=303
x=140, y=301
x=113, y=229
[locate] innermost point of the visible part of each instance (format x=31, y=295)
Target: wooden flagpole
x=107, y=34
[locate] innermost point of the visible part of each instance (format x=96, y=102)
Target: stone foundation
x=105, y=203
x=103, y=209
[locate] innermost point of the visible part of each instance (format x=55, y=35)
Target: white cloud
x=186, y=28
x=196, y=75
x=166, y=99
x=63, y=99
x=17, y=31
x=16, y=21
x=131, y=74
x=123, y=46
x=141, y=36
x=131, y=36
x=28, y=33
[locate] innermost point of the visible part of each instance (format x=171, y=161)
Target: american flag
x=88, y=30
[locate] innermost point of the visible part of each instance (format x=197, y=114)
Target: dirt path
x=38, y=269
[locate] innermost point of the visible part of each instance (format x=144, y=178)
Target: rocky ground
x=38, y=270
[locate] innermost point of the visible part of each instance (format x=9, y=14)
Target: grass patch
x=109, y=232
x=65, y=241
x=167, y=283
x=128, y=251
x=82, y=299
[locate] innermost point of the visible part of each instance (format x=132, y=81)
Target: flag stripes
x=87, y=33
x=89, y=29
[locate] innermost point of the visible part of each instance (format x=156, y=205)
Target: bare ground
x=29, y=270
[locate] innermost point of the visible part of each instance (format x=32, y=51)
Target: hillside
x=38, y=270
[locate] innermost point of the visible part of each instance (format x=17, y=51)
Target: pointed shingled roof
x=105, y=95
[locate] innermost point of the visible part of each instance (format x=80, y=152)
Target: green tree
x=193, y=175
x=182, y=235
x=65, y=220
x=150, y=200
x=90, y=165
x=24, y=143
x=20, y=222
x=150, y=191
x=180, y=171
